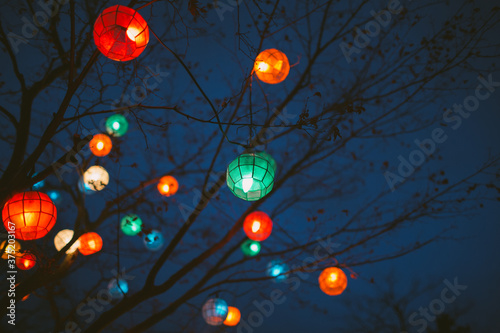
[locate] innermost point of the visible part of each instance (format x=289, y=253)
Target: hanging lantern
x=278, y=269
x=154, y=240
x=250, y=177
x=90, y=243
x=12, y=248
x=131, y=225
x=33, y=214
x=332, y=281
x=116, y=125
x=168, y=186
x=63, y=237
x=117, y=288
x=233, y=316
x=214, y=311
x=269, y=158
x=55, y=196
x=96, y=178
x=100, y=145
x=121, y=33
x=271, y=66
x=258, y=226
x=26, y=261
x=250, y=248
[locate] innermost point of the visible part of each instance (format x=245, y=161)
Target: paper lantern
x=271, y=66
x=100, y=145
x=96, y=178
x=269, y=158
x=332, y=281
x=250, y=248
x=121, y=33
x=278, y=269
x=116, y=125
x=26, y=261
x=55, y=196
x=131, y=224
x=33, y=214
x=214, y=311
x=153, y=240
x=258, y=226
x=12, y=248
x=233, y=316
x=117, y=288
x=90, y=243
x=63, y=237
x=168, y=186
x=250, y=177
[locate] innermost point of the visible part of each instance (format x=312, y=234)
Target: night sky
x=219, y=48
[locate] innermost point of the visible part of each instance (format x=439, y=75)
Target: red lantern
x=271, y=66
x=121, y=33
x=26, y=261
x=32, y=213
x=100, y=145
x=233, y=316
x=168, y=186
x=258, y=226
x=90, y=243
x=332, y=281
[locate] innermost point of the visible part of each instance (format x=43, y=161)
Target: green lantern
x=131, y=225
x=269, y=158
x=250, y=248
x=250, y=177
x=116, y=125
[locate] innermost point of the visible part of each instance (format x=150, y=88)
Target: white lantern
x=96, y=178
x=63, y=237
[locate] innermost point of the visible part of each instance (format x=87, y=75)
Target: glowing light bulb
x=247, y=184
x=254, y=247
x=116, y=126
x=333, y=277
x=276, y=272
x=166, y=188
x=92, y=244
x=100, y=145
x=132, y=32
x=263, y=67
x=255, y=226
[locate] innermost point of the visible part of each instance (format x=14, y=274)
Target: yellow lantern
x=96, y=178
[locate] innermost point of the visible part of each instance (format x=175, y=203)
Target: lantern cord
x=199, y=88
x=250, y=108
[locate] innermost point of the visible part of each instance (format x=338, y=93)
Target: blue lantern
x=278, y=269
x=117, y=288
x=154, y=240
x=214, y=311
x=84, y=187
x=55, y=196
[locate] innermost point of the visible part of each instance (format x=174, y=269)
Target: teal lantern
x=117, y=288
x=116, y=125
x=250, y=248
x=131, y=225
x=250, y=176
x=278, y=269
x=269, y=158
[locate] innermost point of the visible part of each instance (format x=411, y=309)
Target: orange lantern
x=121, y=33
x=233, y=316
x=32, y=214
x=26, y=261
x=271, y=66
x=90, y=243
x=258, y=226
x=168, y=186
x=100, y=145
x=332, y=281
